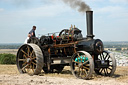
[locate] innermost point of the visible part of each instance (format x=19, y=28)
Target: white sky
x=18, y=16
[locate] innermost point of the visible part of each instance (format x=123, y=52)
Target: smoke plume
x=78, y=4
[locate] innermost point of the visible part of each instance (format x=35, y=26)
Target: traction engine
x=53, y=52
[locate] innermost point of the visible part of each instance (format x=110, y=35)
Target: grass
x=7, y=58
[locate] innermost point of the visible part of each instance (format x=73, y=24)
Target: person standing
x=31, y=34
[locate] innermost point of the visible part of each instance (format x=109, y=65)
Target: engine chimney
x=89, y=20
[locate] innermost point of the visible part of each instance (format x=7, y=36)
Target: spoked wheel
x=82, y=65
x=107, y=64
x=29, y=59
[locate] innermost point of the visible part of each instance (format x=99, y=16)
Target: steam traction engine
x=51, y=53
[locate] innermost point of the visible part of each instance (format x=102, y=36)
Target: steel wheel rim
x=81, y=69
x=27, y=60
x=107, y=71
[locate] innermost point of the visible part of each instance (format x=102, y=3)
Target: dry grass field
x=12, y=51
x=9, y=75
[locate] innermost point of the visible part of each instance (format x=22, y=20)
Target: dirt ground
x=9, y=75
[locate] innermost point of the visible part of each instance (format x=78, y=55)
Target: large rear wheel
x=29, y=59
x=82, y=65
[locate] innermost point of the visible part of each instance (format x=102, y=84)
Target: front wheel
x=105, y=64
x=82, y=65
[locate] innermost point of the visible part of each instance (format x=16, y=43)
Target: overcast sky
x=18, y=16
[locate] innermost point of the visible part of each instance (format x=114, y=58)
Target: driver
x=31, y=34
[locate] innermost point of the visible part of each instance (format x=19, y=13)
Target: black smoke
x=78, y=4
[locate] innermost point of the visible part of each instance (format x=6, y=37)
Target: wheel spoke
x=31, y=52
x=24, y=56
x=84, y=59
x=101, y=70
x=109, y=68
x=86, y=62
x=78, y=54
x=75, y=62
x=103, y=56
x=100, y=57
x=82, y=70
x=108, y=57
x=33, y=63
x=24, y=63
x=111, y=65
x=28, y=69
x=24, y=52
x=86, y=73
x=21, y=59
x=33, y=58
x=76, y=65
x=25, y=66
x=81, y=59
x=79, y=71
x=28, y=51
x=86, y=67
x=106, y=71
x=33, y=68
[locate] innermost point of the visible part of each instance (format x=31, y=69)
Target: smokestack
x=89, y=18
